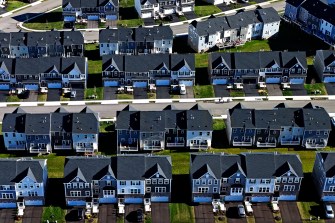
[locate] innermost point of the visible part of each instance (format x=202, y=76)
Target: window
x=108, y=192
x=252, y=181
x=7, y=196
x=197, y=182
x=81, y=185
x=203, y=190
x=289, y=188
x=166, y=181
x=277, y=188
x=216, y=182
x=203, y=181
x=224, y=180
x=278, y=180
x=215, y=189
x=148, y=181
x=290, y=180
x=251, y=189
x=237, y=180
x=264, y=190
x=154, y=181
x=87, y=185
x=236, y=190
x=160, y=181
x=209, y=182
x=160, y=189
x=75, y=193
x=108, y=183
x=284, y=180
x=122, y=182
x=330, y=180
x=87, y=193
x=148, y=189
x=296, y=180
x=135, y=191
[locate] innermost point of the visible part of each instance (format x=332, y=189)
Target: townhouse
x=90, y=11
x=255, y=177
x=141, y=40
x=23, y=182
x=324, y=65
x=323, y=176
x=51, y=72
x=146, y=70
x=160, y=9
x=234, y=30
x=159, y=130
x=308, y=127
x=121, y=179
x=271, y=67
x=42, y=44
x=42, y=132
x=314, y=17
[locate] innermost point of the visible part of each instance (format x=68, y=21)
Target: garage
x=220, y=81
x=328, y=198
x=8, y=205
x=55, y=85
x=168, y=11
x=133, y=200
x=159, y=199
x=297, y=80
x=329, y=79
x=187, y=9
x=287, y=197
x=186, y=82
x=111, y=17
x=109, y=200
x=69, y=18
x=202, y=199
x=75, y=203
x=142, y=84
x=111, y=83
x=33, y=202
x=260, y=199
x=233, y=198
x=163, y=82
x=249, y=80
x=273, y=80
x=4, y=86
x=31, y=87
x=146, y=15
x=93, y=17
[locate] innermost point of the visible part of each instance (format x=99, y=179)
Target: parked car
x=73, y=94
x=182, y=89
x=241, y=211
x=139, y=215
x=329, y=211
x=168, y=18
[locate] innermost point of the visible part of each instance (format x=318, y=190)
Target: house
x=255, y=177
x=308, y=127
x=42, y=132
x=158, y=130
x=42, y=44
x=151, y=69
x=234, y=30
x=272, y=176
x=141, y=40
x=144, y=176
x=323, y=175
x=23, y=182
x=324, y=65
x=89, y=179
x=264, y=67
x=160, y=9
x=90, y=10
x=219, y=2
x=313, y=17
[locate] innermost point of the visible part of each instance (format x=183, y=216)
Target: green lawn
x=42, y=97
x=287, y=92
x=53, y=213
x=11, y=5
x=218, y=124
x=310, y=60
x=97, y=91
x=237, y=93
x=251, y=46
x=180, y=161
x=55, y=165
x=201, y=60
x=203, y=91
x=151, y=95
x=106, y=127
x=13, y=98
x=311, y=88
x=130, y=22
x=125, y=96
x=180, y=212
x=126, y=3
x=51, y=20
x=306, y=213
x=204, y=10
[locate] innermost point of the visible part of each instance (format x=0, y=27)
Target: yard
x=201, y=60
x=90, y=93
x=203, y=91
x=309, y=209
x=125, y=97
x=47, y=21
x=53, y=213
x=218, y=124
x=252, y=46
x=12, y=4
x=130, y=22
x=205, y=10
x=316, y=89
x=180, y=212
x=237, y=93
x=287, y=92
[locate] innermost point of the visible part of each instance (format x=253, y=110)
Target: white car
x=329, y=211
x=182, y=89
x=241, y=210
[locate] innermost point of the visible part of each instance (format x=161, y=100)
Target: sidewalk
x=18, y=9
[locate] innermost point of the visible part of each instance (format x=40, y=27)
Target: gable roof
x=328, y=161
x=268, y=15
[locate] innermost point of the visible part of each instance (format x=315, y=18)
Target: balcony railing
x=62, y=146
x=36, y=149
x=150, y=146
x=17, y=147
x=128, y=147
x=175, y=144
x=242, y=143
x=316, y=144
x=201, y=145
x=293, y=142
x=267, y=143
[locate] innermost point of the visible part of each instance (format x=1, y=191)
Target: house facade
x=61, y=130
x=323, y=176
x=134, y=41
x=159, y=130
x=255, y=177
x=234, y=30
x=313, y=17
x=145, y=70
x=324, y=65
x=257, y=67
x=42, y=44
x=308, y=127
x=90, y=10
x=24, y=181
x=160, y=9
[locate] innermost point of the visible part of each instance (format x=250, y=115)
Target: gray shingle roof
x=37, y=124
x=328, y=163
x=87, y=3
x=211, y=26
x=268, y=15
x=85, y=123
x=316, y=118
x=242, y=19
x=291, y=58
x=327, y=56
x=295, y=3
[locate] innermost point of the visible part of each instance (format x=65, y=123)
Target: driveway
x=72, y=215
x=160, y=213
x=92, y=24
x=189, y=93
x=79, y=95
x=250, y=90
x=204, y=213
x=221, y=91
x=3, y=96
x=149, y=21
x=33, y=96
x=163, y=92
x=330, y=87
x=32, y=215
x=298, y=90
x=7, y=215
x=107, y=213
x=190, y=15
x=53, y=94
x=110, y=93
x=130, y=214
x=232, y=214
x=140, y=93
x=289, y=212
x=263, y=213
x=274, y=90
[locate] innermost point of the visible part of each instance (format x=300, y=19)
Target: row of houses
x=315, y=17
x=234, y=30
x=50, y=72
x=46, y=132
x=126, y=179
x=41, y=44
